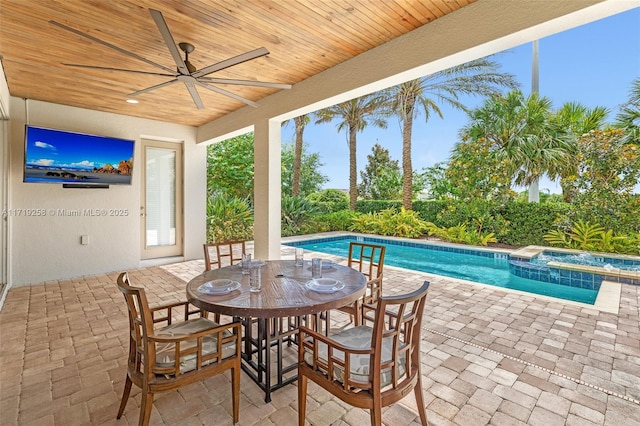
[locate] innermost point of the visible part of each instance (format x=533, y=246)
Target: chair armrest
x=172, y=309
x=368, y=308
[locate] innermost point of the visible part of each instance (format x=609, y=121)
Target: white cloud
x=44, y=162
x=84, y=163
x=44, y=145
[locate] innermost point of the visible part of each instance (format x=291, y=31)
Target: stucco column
x=267, y=190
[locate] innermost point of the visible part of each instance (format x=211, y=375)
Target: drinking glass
x=316, y=267
x=246, y=263
x=255, y=279
x=299, y=256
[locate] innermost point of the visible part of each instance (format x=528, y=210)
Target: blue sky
x=47, y=147
x=593, y=64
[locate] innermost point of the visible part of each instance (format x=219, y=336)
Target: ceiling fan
x=186, y=72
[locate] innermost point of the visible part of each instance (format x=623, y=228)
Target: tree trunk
x=353, y=169
x=534, y=191
x=407, y=168
x=297, y=156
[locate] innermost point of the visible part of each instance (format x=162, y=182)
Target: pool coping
x=607, y=300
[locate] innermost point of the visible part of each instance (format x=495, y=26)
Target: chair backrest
x=217, y=255
x=397, y=325
x=368, y=259
x=140, y=327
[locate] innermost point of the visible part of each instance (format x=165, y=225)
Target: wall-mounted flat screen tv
x=57, y=156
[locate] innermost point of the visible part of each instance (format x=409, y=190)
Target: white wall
x=48, y=248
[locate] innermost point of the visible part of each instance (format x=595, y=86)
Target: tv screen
x=56, y=156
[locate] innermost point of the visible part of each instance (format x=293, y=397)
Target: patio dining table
x=271, y=317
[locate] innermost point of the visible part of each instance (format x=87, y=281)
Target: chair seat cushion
x=357, y=337
x=165, y=352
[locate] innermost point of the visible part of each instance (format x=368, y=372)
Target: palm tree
x=521, y=132
x=300, y=123
x=629, y=116
x=570, y=122
x=355, y=115
x=478, y=77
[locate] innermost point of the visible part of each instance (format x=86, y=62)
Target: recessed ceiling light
x=132, y=101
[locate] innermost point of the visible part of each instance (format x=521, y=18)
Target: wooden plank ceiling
x=304, y=37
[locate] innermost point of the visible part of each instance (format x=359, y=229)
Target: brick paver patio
x=489, y=357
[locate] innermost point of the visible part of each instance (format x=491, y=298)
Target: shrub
x=336, y=221
x=461, y=234
x=403, y=223
x=297, y=214
x=529, y=222
x=229, y=218
x=329, y=196
x=593, y=237
x=370, y=206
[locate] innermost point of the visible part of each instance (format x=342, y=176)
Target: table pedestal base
x=272, y=343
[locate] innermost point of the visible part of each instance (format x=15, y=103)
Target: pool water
x=586, y=259
x=481, y=268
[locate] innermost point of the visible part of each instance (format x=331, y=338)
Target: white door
x=161, y=208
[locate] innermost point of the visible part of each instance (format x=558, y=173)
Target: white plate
x=324, y=285
x=218, y=287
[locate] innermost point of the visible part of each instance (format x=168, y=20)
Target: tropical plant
x=520, y=132
x=354, y=116
x=300, y=123
x=403, y=223
x=629, y=116
x=297, y=213
x=477, y=77
x=335, y=221
x=310, y=180
x=570, y=122
x=461, y=234
x=229, y=218
x=591, y=236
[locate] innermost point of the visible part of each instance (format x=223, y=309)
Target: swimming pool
x=482, y=266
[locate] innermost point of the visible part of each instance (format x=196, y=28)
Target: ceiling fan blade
x=247, y=56
x=157, y=86
x=169, y=41
x=109, y=45
x=229, y=94
x=119, y=69
x=194, y=94
x=244, y=82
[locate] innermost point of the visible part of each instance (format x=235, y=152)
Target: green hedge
x=515, y=223
x=529, y=222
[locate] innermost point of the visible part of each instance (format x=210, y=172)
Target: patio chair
x=226, y=253
x=178, y=353
x=368, y=259
x=368, y=367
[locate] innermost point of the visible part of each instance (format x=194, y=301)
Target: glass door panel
x=162, y=200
